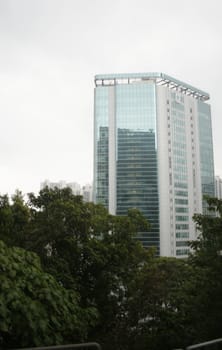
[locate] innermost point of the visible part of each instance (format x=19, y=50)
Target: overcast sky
x=50, y=51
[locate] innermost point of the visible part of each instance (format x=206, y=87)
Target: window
x=170, y=165
x=181, y=210
x=170, y=179
x=182, y=218
x=182, y=244
x=181, y=193
x=181, y=201
x=182, y=227
x=182, y=234
x=182, y=251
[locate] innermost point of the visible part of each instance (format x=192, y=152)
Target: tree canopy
x=71, y=271
x=34, y=308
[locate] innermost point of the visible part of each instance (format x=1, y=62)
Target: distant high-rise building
x=78, y=190
x=86, y=192
x=153, y=151
x=75, y=187
x=218, y=187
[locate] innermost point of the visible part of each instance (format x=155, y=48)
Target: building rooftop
x=160, y=78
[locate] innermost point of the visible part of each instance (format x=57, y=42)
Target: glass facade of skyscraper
x=136, y=155
x=101, y=128
x=135, y=151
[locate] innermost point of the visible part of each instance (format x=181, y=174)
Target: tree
x=14, y=219
x=72, y=238
x=141, y=301
x=206, y=258
x=88, y=250
x=34, y=309
x=5, y=218
x=155, y=306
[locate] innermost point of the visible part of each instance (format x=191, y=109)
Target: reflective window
x=101, y=146
x=206, y=150
x=137, y=155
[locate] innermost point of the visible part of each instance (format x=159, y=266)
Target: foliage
x=104, y=282
x=207, y=260
x=34, y=309
x=153, y=316
x=88, y=250
x=14, y=218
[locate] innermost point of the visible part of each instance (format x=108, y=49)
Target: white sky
x=50, y=51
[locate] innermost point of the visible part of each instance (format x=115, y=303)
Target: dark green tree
x=14, y=219
x=88, y=250
x=207, y=261
x=35, y=310
x=142, y=301
x=155, y=316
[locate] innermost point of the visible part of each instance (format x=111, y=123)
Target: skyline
x=50, y=52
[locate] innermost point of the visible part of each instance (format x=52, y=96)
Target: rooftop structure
x=160, y=79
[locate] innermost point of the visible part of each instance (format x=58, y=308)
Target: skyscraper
x=153, y=151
